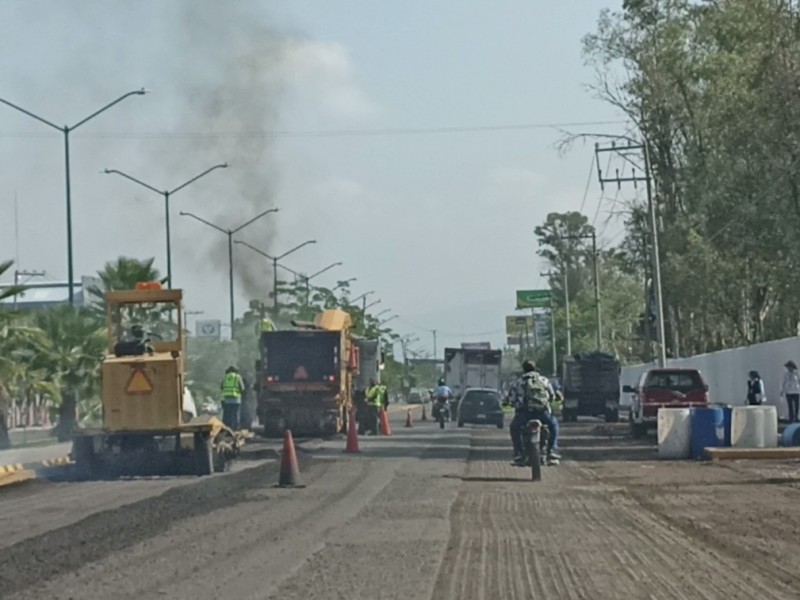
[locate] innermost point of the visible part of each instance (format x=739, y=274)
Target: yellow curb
x=8, y=469
x=16, y=477
x=752, y=453
x=62, y=460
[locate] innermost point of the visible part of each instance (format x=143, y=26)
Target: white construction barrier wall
x=726, y=371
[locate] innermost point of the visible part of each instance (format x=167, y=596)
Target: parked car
x=663, y=388
x=480, y=406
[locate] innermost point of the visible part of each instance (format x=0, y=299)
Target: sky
x=376, y=128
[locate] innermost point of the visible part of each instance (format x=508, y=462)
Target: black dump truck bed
x=308, y=356
x=590, y=385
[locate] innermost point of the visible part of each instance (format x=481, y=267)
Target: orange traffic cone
x=385, y=429
x=352, y=434
x=424, y=417
x=409, y=419
x=290, y=472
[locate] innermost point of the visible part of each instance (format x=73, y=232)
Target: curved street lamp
x=66, y=129
x=275, y=266
x=166, y=194
x=229, y=233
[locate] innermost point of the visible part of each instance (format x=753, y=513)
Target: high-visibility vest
x=232, y=385
x=267, y=325
x=374, y=395
x=384, y=393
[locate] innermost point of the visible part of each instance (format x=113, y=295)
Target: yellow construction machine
x=149, y=424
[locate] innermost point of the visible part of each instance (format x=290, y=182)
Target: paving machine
x=306, y=376
x=149, y=427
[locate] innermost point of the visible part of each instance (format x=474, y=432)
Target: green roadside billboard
x=533, y=298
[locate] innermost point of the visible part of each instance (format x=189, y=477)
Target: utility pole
x=566, y=308
x=433, y=331
x=17, y=275
x=552, y=327
x=593, y=236
x=632, y=145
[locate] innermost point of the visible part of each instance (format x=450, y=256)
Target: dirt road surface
x=421, y=514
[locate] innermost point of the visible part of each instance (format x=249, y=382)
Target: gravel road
x=422, y=514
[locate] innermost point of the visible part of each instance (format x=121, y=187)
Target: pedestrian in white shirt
x=791, y=389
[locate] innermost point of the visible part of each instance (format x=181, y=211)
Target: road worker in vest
x=374, y=401
x=232, y=390
x=267, y=325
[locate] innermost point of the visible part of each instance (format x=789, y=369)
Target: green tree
x=71, y=357
x=711, y=88
x=11, y=339
x=123, y=274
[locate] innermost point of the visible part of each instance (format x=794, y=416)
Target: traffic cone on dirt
x=352, y=435
x=385, y=429
x=424, y=417
x=290, y=472
x=409, y=419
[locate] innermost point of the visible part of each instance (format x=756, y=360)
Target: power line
x=312, y=133
x=588, y=182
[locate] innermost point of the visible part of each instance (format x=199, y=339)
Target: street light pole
x=320, y=272
x=167, y=194
x=275, y=266
x=66, y=131
x=229, y=233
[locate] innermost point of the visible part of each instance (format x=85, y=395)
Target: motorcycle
x=441, y=411
x=535, y=437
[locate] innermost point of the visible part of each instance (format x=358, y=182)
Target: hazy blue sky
x=439, y=224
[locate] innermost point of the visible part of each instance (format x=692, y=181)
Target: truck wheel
x=461, y=423
x=203, y=454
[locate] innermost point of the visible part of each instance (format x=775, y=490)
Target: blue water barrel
x=708, y=430
x=727, y=412
x=791, y=435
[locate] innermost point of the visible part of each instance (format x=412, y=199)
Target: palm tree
x=71, y=357
x=6, y=362
x=123, y=274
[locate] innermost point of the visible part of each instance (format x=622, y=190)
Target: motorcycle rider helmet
x=528, y=366
x=441, y=380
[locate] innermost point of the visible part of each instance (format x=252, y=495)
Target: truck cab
x=663, y=388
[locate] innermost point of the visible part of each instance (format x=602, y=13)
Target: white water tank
x=674, y=433
x=771, y=436
x=748, y=427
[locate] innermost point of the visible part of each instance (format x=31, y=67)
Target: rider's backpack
x=536, y=395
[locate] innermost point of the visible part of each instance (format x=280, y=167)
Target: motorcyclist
x=532, y=408
x=441, y=395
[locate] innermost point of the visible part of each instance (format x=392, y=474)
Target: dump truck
x=306, y=376
x=471, y=367
x=591, y=384
x=149, y=426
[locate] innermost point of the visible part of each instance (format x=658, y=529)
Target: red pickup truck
x=663, y=388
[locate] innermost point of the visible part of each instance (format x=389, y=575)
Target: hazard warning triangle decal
x=300, y=373
x=138, y=383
